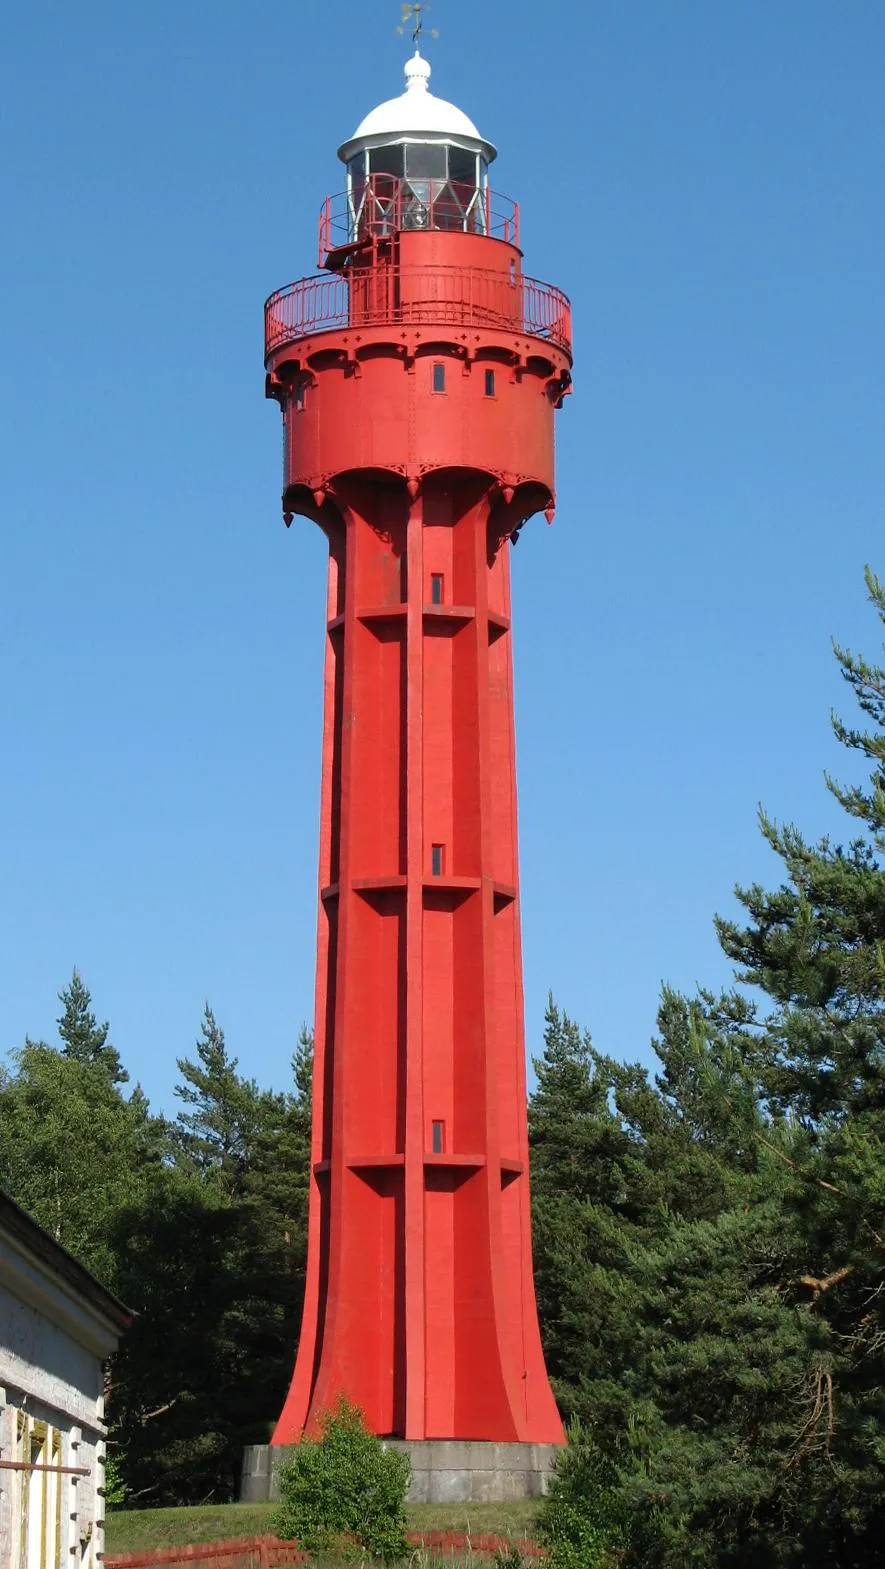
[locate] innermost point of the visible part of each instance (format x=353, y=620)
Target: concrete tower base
x=444, y=1471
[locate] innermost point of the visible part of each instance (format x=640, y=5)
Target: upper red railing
x=417, y=296
x=383, y=205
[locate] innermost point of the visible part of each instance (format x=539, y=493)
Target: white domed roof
x=417, y=112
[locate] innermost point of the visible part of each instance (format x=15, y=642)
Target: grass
x=515, y=1519
x=140, y=1530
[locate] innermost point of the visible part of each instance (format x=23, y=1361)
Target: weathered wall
x=39, y=1356
x=54, y=1338
x=75, y=1503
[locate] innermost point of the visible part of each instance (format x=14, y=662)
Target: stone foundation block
x=444, y=1471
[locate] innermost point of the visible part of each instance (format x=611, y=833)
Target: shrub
x=343, y=1484
x=115, y=1489
x=584, y=1521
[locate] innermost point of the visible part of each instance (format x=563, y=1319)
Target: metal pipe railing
x=384, y=204
x=421, y=296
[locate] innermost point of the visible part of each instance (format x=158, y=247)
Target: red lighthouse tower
x=418, y=375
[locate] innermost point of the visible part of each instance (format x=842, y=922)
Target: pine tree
x=85, y=1040
x=816, y=948
x=220, y=1133
x=180, y=1371
x=752, y=1221
x=279, y=1183
x=215, y=1262
x=583, y=1238
x=302, y=1074
x=718, y=1350
x=200, y=1226
x=661, y=1254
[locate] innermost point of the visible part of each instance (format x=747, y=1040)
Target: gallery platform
x=444, y=1471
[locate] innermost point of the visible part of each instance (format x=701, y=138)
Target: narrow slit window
x=490, y=383
x=436, y=588
x=437, y=858
x=438, y=381
x=300, y=395
x=438, y=1138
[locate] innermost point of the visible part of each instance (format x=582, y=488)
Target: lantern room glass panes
x=426, y=161
x=387, y=160
x=416, y=185
x=356, y=178
x=462, y=167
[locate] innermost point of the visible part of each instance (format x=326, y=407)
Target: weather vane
x=412, y=21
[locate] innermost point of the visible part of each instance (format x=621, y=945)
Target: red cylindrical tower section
x=418, y=382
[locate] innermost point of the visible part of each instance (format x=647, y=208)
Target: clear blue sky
x=706, y=182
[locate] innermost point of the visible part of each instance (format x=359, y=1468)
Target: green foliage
x=867, y=683
x=214, y=1259
x=115, y=1490
x=710, y=1241
x=816, y=948
x=344, y=1484
x=583, y=1234
x=585, y=1519
x=509, y=1558
x=220, y=1133
x=73, y=1150
x=200, y=1226
x=85, y=1040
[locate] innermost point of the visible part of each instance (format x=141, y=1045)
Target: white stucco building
x=58, y=1325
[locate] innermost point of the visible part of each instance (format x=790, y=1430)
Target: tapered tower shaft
x=418, y=383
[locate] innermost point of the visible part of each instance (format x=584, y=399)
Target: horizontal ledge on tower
x=461, y=885
x=375, y=1162
x=466, y=1164
x=365, y=886
x=370, y=885
x=448, y=616
x=382, y=613
x=442, y=616
x=321, y=1168
x=502, y=895
x=455, y=1162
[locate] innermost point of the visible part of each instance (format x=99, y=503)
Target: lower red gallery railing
x=417, y=296
x=268, y=1552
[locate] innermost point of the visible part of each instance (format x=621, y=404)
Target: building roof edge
x=24, y=1229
